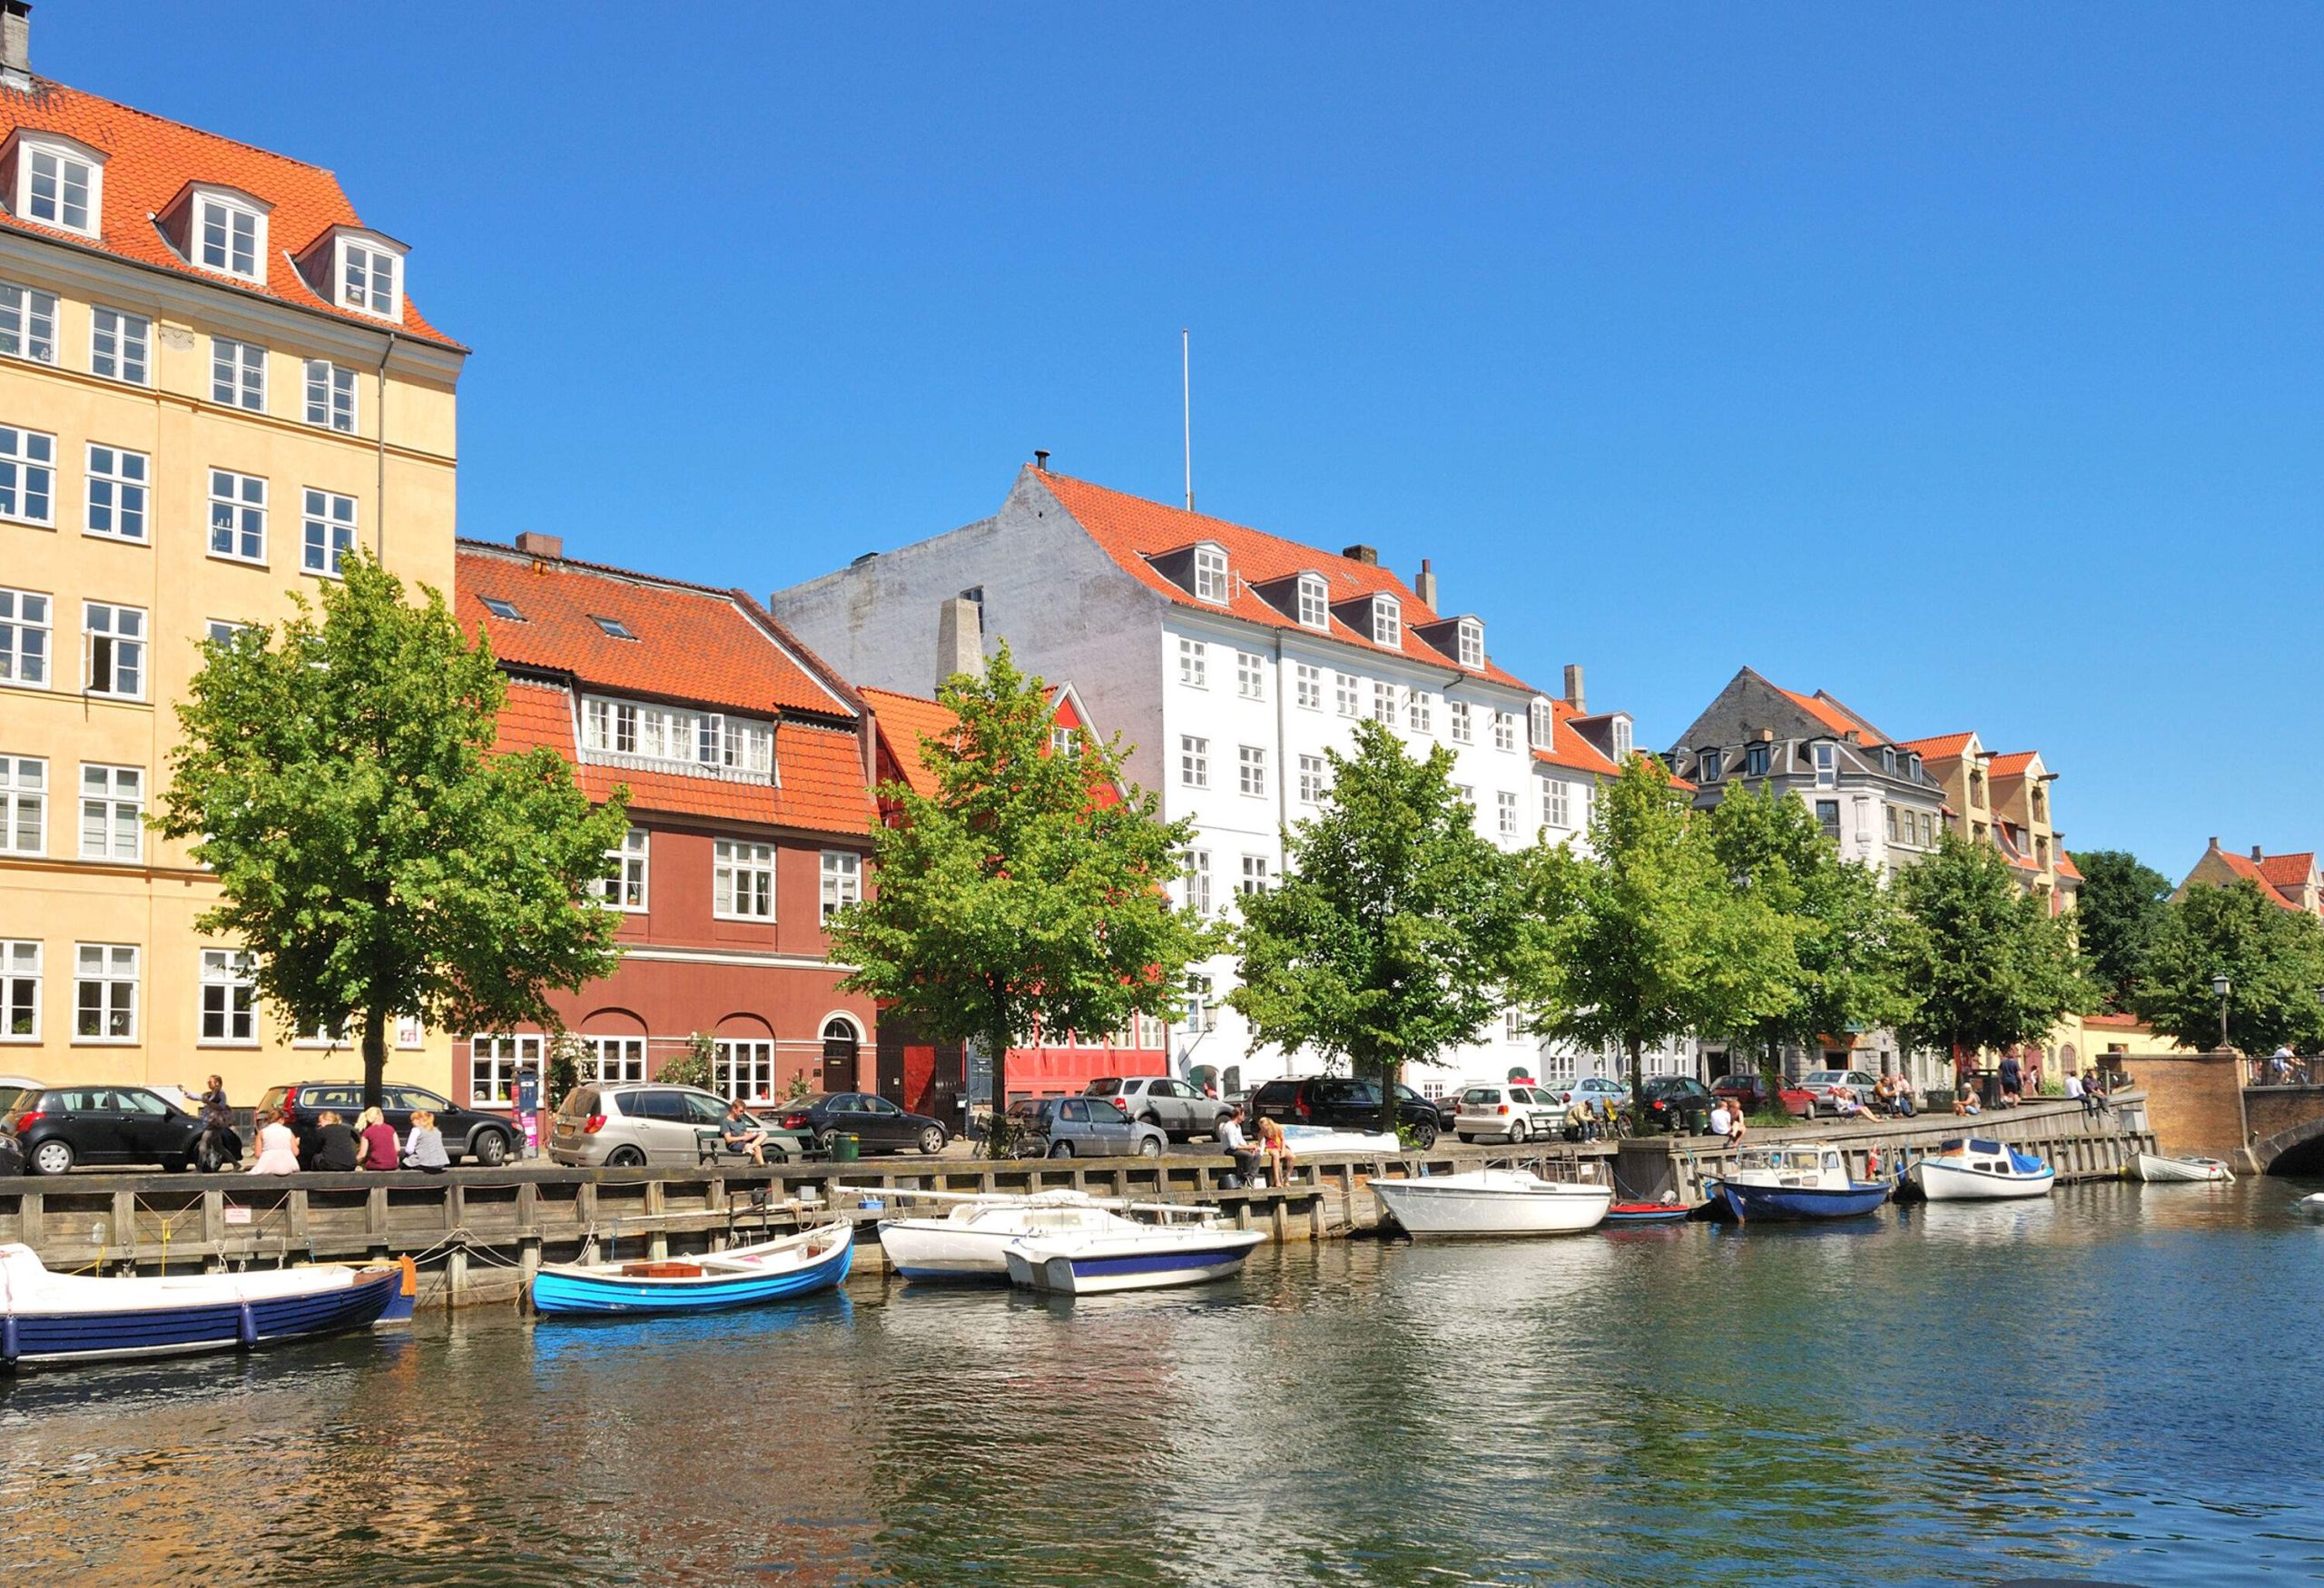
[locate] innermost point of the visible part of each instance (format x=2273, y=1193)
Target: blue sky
x=1963, y=361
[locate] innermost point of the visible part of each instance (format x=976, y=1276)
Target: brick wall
x=2194, y=1100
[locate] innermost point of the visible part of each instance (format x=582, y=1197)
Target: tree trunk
x=375, y=1057
x=996, y=1142
x=1638, y=1084
x=1771, y=1071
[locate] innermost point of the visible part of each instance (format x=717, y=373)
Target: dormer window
x=371, y=278
x=1471, y=643
x=1708, y=765
x=1210, y=575
x=1755, y=760
x=229, y=236
x=1315, y=602
x=1828, y=765
x=1913, y=768
x=1387, y=622
x=1541, y=725
x=1888, y=759
x=1621, y=739
x=60, y=184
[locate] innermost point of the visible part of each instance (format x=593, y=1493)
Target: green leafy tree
x=2273, y=959
x=1393, y=934
x=376, y=859
x=1023, y=895
x=1646, y=936
x=1846, y=924
x=2120, y=915
x=1993, y=967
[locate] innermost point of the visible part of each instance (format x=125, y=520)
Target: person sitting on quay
x=1231, y=1142
x=2094, y=1093
x=1727, y=1121
x=1884, y=1094
x=738, y=1132
x=1276, y=1150
x=1580, y=1124
x=379, y=1139
x=277, y=1148
x=1846, y=1104
x=423, y=1145
x=1965, y=1100
x=334, y=1145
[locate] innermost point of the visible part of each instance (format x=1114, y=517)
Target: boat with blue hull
x=1146, y=1258
x=56, y=1319
x=796, y=1265
x=1795, y=1182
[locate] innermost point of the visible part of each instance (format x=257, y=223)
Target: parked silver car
x=1176, y=1107
x=628, y=1127
x=1509, y=1111
x=1081, y=1128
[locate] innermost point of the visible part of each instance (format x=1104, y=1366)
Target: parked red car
x=1750, y=1089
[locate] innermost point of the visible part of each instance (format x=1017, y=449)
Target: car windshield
x=1102, y=1112
x=1820, y=1077
x=1485, y=1096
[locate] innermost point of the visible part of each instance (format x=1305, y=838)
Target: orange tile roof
x=1942, y=747
x=2013, y=764
x=149, y=162
x=713, y=647
x=2288, y=871
x=1569, y=749
x=1131, y=529
x=2066, y=867
x=2115, y=1022
x=2245, y=867
x=1833, y=715
x=822, y=786
x=904, y=720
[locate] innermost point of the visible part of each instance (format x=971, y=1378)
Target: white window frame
x=118, y=633
x=628, y=876
x=741, y=880
x=1345, y=697
x=327, y=531
x=1388, y=622
x=1383, y=702
x=227, y=1014
x=121, y=345
x=1541, y=725
x=238, y=374
x=1250, y=674
x=114, y=798
x=1198, y=880
x=1194, y=761
x=27, y=476
x=21, y=986
x=496, y=1059
x=1623, y=746
x=1212, y=583
x=1314, y=602
x=24, y=804
x=1307, y=685
x=1251, y=770
x=64, y=157
x=25, y=665
x=616, y=1061
x=1201, y=1014
x=1557, y=804
x=1470, y=640
x=1457, y=722
x=237, y=513
x=1505, y=804
x=27, y=324
x=361, y=261
x=1420, y=711
x=1194, y=663
x=1827, y=764
x=227, y=210
x=1313, y=772
x=739, y=1058
x=843, y=881
x=330, y=395
x=222, y=630
x=1504, y=731
x=117, y=995
x=120, y=483
x=1710, y=764
x=1255, y=875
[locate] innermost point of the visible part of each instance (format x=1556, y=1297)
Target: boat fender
x=9, y=1345
x=246, y=1327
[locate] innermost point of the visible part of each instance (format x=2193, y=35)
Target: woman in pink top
x=379, y=1138
x=277, y=1148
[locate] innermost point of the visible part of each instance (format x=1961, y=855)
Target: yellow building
x=211, y=384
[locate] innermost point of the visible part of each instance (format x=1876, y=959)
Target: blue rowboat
x=54, y=1320
x=1795, y=1181
x=796, y=1265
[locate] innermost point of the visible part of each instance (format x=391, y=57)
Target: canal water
x=2119, y=1383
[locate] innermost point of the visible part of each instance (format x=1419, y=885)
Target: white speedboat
x=1144, y=1257
x=970, y=1240
x=1977, y=1171
x=2156, y=1169
x=1493, y=1201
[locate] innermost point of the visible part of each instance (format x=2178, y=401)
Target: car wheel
x=1424, y=1136
x=931, y=1140
x=491, y=1148
x=52, y=1158
x=1147, y=1146
x=178, y=1163
x=624, y=1157
x=1518, y=1131
x=1061, y=1150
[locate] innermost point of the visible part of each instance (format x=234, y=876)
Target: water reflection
x=1938, y=1394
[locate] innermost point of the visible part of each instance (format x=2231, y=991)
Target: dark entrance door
x=889, y=1060
x=839, y=1056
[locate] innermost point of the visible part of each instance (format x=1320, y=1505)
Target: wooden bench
x=710, y=1148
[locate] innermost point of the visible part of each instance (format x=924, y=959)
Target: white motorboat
x=1977, y=1170
x=970, y=1240
x=2312, y=1205
x=2156, y=1169
x=1493, y=1201
x=1305, y=1141
x=1144, y=1257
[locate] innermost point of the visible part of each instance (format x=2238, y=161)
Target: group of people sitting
x=1273, y=1149
x=332, y=1145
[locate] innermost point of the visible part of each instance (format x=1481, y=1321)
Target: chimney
x=1573, y=695
x=1366, y=555
x=960, y=637
x=531, y=540
x=2214, y=842
x=16, y=43
x=1424, y=587
x=2257, y=854
x=1041, y=458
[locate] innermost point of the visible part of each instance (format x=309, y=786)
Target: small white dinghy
x=970, y=1240
x=1977, y=1170
x=2312, y=1205
x=2156, y=1169
x=1144, y=1257
x=1493, y=1201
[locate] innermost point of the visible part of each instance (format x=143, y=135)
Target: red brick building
x=748, y=764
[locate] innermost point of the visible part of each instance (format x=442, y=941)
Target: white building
x=1229, y=660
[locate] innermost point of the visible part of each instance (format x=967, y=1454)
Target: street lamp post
x=2222, y=985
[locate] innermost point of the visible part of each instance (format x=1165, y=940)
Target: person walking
x=334, y=1145
x=378, y=1139
x=423, y=1145
x=2013, y=1080
x=277, y=1148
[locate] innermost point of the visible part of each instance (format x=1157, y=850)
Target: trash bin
x=1696, y=1118
x=845, y=1148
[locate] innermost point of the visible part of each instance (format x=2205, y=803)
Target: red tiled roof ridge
x=2288, y=869
x=1938, y=746
x=41, y=86
x=1828, y=709
x=1331, y=560
x=2248, y=870
x=518, y=554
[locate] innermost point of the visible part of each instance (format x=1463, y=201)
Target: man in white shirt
x=1231, y=1142
x=1721, y=1120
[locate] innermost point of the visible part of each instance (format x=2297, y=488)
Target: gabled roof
x=1131, y=529
x=905, y=720
x=1569, y=749
x=2013, y=764
x=694, y=643
x=2066, y=867
x=2248, y=869
x=2288, y=871
x=1827, y=710
x=149, y=161
x=1942, y=747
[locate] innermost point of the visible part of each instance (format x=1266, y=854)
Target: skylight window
x=614, y=627
x=507, y=609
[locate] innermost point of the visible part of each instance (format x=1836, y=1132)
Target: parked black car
x=62, y=1125
x=1343, y=1103
x=877, y=1124
x=1674, y=1103
x=489, y=1138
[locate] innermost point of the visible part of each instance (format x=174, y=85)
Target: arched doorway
x=841, y=1046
